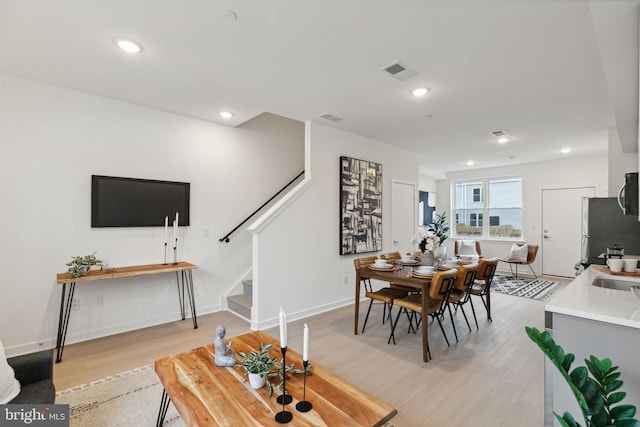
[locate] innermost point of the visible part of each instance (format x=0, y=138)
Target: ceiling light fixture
x=470, y=163
x=226, y=114
x=128, y=45
x=565, y=150
x=421, y=91
x=503, y=140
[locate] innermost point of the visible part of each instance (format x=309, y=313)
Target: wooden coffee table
x=208, y=395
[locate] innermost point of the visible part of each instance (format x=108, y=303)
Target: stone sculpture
x=225, y=356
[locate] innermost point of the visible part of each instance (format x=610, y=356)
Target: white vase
x=426, y=258
x=257, y=380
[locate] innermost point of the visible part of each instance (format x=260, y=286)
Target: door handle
x=395, y=242
x=546, y=236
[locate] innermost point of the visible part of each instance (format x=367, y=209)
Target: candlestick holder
x=283, y=417
x=165, y=254
x=304, y=405
x=175, y=252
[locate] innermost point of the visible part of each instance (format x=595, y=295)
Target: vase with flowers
x=427, y=244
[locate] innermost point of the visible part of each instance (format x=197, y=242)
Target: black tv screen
x=132, y=202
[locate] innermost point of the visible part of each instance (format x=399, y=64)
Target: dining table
x=401, y=276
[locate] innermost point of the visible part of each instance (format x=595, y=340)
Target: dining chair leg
x=473, y=310
x=465, y=317
x=443, y=332
x=367, y=316
x=452, y=322
x=393, y=328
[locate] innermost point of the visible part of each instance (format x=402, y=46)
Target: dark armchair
x=34, y=372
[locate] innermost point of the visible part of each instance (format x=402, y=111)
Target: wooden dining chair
x=482, y=283
x=461, y=295
x=384, y=295
x=394, y=257
x=457, y=246
x=439, y=290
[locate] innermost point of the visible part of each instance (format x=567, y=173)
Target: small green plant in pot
x=80, y=265
x=596, y=394
x=258, y=365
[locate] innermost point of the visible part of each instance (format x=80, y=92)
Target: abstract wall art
x=360, y=206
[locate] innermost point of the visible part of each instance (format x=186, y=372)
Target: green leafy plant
x=80, y=265
x=596, y=394
x=261, y=362
x=439, y=227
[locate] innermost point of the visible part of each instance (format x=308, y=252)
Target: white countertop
x=581, y=299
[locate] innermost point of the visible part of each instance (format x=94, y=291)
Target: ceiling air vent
x=330, y=117
x=498, y=133
x=399, y=71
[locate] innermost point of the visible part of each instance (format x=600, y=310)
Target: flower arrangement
x=427, y=242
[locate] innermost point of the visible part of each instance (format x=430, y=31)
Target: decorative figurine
x=225, y=356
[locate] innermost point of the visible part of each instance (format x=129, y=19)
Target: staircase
x=241, y=303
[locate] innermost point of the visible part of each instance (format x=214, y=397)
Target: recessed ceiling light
x=226, y=114
x=470, y=163
x=128, y=45
x=565, y=150
x=503, y=140
x=421, y=91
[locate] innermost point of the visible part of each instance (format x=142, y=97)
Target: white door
x=404, y=208
x=561, y=229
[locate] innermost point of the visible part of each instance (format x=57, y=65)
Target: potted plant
x=596, y=394
x=258, y=365
x=80, y=265
x=439, y=227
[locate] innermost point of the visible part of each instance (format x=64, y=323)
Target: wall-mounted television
x=133, y=202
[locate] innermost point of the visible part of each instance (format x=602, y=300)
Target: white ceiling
x=550, y=73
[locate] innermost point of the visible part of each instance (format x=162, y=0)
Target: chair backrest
x=486, y=270
x=531, y=253
x=465, y=277
x=363, y=262
x=456, y=248
x=391, y=256
x=442, y=283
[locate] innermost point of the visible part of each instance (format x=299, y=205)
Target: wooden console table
x=183, y=276
x=208, y=395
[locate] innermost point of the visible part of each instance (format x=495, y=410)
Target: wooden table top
x=131, y=271
x=209, y=395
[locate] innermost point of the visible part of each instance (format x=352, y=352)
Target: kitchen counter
x=581, y=299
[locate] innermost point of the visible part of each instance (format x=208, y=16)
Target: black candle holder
x=283, y=417
x=175, y=252
x=304, y=405
x=165, y=253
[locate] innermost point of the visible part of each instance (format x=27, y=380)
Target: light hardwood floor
x=492, y=377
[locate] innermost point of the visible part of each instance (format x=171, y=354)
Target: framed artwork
x=360, y=206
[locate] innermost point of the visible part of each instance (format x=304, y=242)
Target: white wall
x=297, y=264
x=53, y=139
x=564, y=173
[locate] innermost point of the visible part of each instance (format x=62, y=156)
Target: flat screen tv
x=132, y=202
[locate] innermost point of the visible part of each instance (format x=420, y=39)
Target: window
x=502, y=205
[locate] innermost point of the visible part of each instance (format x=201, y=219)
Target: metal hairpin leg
x=63, y=321
x=185, y=280
x=164, y=406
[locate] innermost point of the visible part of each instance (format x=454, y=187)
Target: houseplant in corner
x=258, y=365
x=596, y=394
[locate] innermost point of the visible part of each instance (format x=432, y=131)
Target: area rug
x=525, y=287
x=127, y=399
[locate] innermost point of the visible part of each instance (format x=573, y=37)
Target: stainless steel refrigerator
x=603, y=226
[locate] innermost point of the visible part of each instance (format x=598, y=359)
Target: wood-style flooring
x=492, y=377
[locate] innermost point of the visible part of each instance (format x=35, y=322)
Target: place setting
x=381, y=265
x=423, y=271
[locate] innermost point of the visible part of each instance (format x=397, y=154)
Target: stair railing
x=226, y=237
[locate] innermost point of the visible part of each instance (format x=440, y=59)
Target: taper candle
x=283, y=329
x=175, y=231
x=305, y=344
x=166, y=229
x=177, y=222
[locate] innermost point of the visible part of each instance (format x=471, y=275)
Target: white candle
x=305, y=344
x=175, y=231
x=166, y=229
x=283, y=329
x=177, y=222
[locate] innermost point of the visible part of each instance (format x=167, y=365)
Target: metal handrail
x=226, y=237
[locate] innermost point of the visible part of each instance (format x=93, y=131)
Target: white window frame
x=483, y=212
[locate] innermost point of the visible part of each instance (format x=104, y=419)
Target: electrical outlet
x=75, y=304
x=205, y=231
x=345, y=280
x=98, y=301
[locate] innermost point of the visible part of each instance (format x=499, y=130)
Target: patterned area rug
x=127, y=399
x=525, y=287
